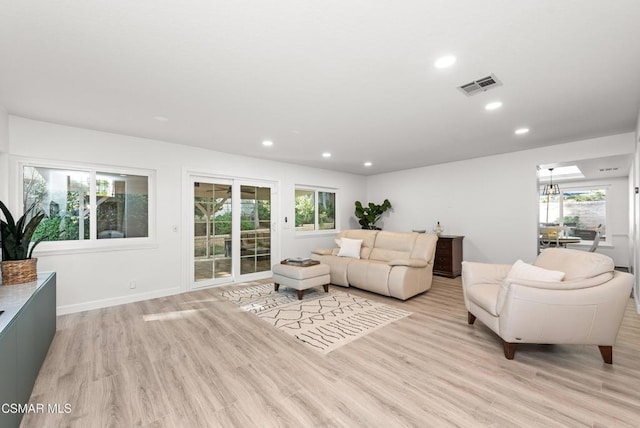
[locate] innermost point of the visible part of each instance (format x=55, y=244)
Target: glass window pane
x=580, y=211
x=255, y=237
x=63, y=195
x=585, y=209
x=326, y=210
x=212, y=231
x=305, y=209
x=122, y=205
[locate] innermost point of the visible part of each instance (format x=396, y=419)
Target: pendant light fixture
x=551, y=189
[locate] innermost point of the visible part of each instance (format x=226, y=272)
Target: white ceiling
x=355, y=78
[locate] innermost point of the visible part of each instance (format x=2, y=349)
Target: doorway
x=232, y=237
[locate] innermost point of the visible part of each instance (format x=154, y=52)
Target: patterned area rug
x=323, y=321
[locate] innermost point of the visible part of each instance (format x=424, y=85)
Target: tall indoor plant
x=371, y=213
x=15, y=239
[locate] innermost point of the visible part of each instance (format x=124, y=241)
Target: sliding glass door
x=255, y=225
x=232, y=239
x=212, y=223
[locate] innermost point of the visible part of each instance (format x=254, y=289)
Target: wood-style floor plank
x=198, y=360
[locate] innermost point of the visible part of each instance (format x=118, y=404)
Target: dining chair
x=596, y=240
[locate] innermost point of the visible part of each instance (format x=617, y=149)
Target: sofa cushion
x=369, y=275
x=368, y=238
x=393, y=245
x=350, y=248
x=425, y=247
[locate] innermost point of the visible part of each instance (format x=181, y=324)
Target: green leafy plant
x=16, y=236
x=371, y=213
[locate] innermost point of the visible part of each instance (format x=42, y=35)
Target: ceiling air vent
x=480, y=85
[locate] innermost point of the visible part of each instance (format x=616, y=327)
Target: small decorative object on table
x=438, y=229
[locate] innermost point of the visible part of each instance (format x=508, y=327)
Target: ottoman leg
x=276, y=286
x=300, y=294
x=326, y=288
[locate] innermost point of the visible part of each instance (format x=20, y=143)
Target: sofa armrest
x=415, y=263
x=323, y=251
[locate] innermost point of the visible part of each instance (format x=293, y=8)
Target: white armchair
x=565, y=297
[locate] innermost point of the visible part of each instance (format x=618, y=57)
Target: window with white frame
x=88, y=204
x=581, y=210
x=315, y=209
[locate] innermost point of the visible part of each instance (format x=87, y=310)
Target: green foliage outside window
x=305, y=209
x=63, y=225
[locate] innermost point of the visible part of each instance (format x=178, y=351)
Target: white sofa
x=565, y=297
x=396, y=264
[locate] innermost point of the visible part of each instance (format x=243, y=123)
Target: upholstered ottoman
x=301, y=278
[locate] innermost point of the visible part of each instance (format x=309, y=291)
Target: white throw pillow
x=525, y=271
x=522, y=270
x=350, y=248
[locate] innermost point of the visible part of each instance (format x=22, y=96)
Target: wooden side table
x=448, y=260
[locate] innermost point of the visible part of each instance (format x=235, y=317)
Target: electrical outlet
x=132, y=284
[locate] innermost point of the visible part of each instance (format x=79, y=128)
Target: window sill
x=588, y=244
x=82, y=247
x=315, y=233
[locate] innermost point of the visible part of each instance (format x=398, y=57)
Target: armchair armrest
x=535, y=287
x=323, y=251
x=415, y=263
x=483, y=273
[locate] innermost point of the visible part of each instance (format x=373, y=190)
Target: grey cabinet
x=24, y=342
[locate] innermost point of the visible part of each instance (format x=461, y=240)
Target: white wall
x=635, y=218
x=102, y=278
x=493, y=200
x=4, y=154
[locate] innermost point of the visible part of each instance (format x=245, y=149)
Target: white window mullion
x=316, y=225
x=93, y=208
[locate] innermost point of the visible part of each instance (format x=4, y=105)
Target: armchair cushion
x=485, y=296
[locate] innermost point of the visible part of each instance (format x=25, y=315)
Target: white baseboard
x=105, y=303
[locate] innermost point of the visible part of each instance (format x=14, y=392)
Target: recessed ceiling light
x=521, y=131
x=161, y=118
x=267, y=143
x=445, y=61
x=326, y=155
x=494, y=105
x=368, y=164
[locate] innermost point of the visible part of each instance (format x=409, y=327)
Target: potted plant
x=15, y=238
x=371, y=213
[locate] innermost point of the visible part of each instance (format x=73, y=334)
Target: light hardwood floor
x=195, y=360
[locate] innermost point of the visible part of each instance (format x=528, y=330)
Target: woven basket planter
x=19, y=271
